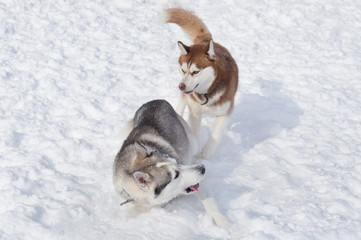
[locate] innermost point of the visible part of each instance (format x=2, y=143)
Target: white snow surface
x=74, y=72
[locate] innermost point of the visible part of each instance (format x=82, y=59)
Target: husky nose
x=182, y=86
x=201, y=169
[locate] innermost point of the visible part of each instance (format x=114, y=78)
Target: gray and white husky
x=153, y=164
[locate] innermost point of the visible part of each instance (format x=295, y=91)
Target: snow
x=74, y=72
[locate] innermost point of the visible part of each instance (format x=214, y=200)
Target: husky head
x=197, y=67
x=154, y=178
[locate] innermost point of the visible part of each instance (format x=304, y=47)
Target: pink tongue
x=194, y=187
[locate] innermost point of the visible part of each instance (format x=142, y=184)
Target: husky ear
x=210, y=52
x=147, y=150
x=184, y=48
x=143, y=180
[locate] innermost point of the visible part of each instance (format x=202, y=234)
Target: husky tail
x=124, y=132
x=192, y=25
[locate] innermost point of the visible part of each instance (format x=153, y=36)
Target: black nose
x=201, y=169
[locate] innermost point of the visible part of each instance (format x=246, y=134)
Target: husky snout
x=201, y=169
x=182, y=86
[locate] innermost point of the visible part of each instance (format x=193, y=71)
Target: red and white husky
x=210, y=77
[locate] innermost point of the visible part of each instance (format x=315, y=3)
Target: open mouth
x=192, y=90
x=192, y=188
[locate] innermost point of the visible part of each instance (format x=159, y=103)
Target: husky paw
x=208, y=149
x=135, y=210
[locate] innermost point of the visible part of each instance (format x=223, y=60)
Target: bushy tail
x=124, y=132
x=193, y=26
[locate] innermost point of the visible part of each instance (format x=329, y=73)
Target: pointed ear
x=142, y=179
x=146, y=150
x=210, y=52
x=184, y=48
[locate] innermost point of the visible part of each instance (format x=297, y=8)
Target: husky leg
x=181, y=105
x=212, y=210
x=193, y=144
x=218, y=130
x=135, y=210
x=195, y=124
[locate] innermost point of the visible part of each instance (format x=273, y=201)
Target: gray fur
x=159, y=119
x=158, y=146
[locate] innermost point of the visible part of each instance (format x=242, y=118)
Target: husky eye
x=195, y=72
x=150, y=153
x=176, y=174
x=183, y=71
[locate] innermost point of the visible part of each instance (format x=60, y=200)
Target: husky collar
x=127, y=201
x=206, y=96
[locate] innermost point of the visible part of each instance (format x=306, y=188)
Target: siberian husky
x=153, y=164
x=210, y=77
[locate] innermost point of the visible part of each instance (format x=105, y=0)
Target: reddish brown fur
x=225, y=67
x=190, y=23
x=222, y=86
